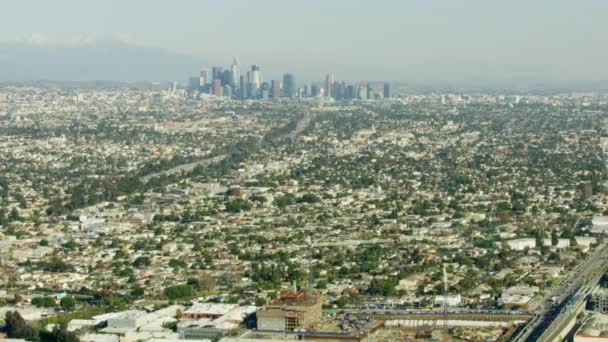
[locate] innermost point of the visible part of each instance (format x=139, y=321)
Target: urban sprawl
x=230, y=208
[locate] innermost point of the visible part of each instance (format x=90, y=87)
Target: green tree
x=179, y=291
x=141, y=262
x=59, y=333
x=14, y=215
x=44, y=302
x=16, y=327
x=554, y=238
x=68, y=303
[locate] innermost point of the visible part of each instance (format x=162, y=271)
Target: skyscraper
x=264, y=87
x=275, y=89
x=216, y=73
x=338, y=90
x=243, y=88
x=387, y=91
x=289, y=85
x=235, y=73
x=227, y=91
x=362, y=92
x=329, y=83
x=194, y=83
x=369, y=92
x=256, y=77
x=307, y=91
x=204, y=78
x=217, y=88
x=350, y=92
x=226, y=77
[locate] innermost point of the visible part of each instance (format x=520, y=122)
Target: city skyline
x=234, y=82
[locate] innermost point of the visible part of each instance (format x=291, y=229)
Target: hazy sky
x=379, y=39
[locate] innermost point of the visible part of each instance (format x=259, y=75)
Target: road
x=427, y=315
x=302, y=124
x=568, y=293
x=184, y=167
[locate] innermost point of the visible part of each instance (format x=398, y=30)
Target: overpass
x=555, y=322
x=479, y=316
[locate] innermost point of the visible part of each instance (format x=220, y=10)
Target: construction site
x=299, y=316
x=298, y=311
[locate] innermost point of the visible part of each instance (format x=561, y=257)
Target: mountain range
x=99, y=60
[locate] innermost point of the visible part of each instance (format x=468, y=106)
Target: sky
x=484, y=40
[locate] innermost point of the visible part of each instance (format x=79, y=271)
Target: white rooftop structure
x=451, y=300
x=599, y=224
x=98, y=338
x=521, y=244
x=210, y=310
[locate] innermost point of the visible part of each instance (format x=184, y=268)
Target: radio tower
x=445, y=305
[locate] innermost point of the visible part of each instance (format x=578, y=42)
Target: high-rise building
x=217, y=88
x=242, y=88
x=264, y=91
x=369, y=92
x=329, y=83
x=194, y=83
x=204, y=78
x=338, y=90
x=256, y=76
x=307, y=91
x=350, y=92
x=235, y=74
x=216, y=73
x=227, y=91
x=226, y=77
x=387, y=91
x=314, y=90
x=362, y=92
x=289, y=85
x=275, y=88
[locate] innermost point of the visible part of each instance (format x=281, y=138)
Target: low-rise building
x=594, y=328
x=295, y=311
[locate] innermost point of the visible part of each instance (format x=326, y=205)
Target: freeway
x=463, y=315
x=568, y=294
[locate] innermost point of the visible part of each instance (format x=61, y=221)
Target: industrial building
x=518, y=297
x=449, y=300
x=294, y=311
x=212, y=321
x=599, y=299
x=208, y=310
x=594, y=328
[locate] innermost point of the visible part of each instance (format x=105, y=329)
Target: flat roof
x=214, y=309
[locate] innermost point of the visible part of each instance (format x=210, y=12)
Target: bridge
x=478, y=316
x=555, y=322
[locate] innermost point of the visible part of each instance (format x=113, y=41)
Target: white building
x=520, y=296
x=520, y=244
x=599, y=224
x=451, y=300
